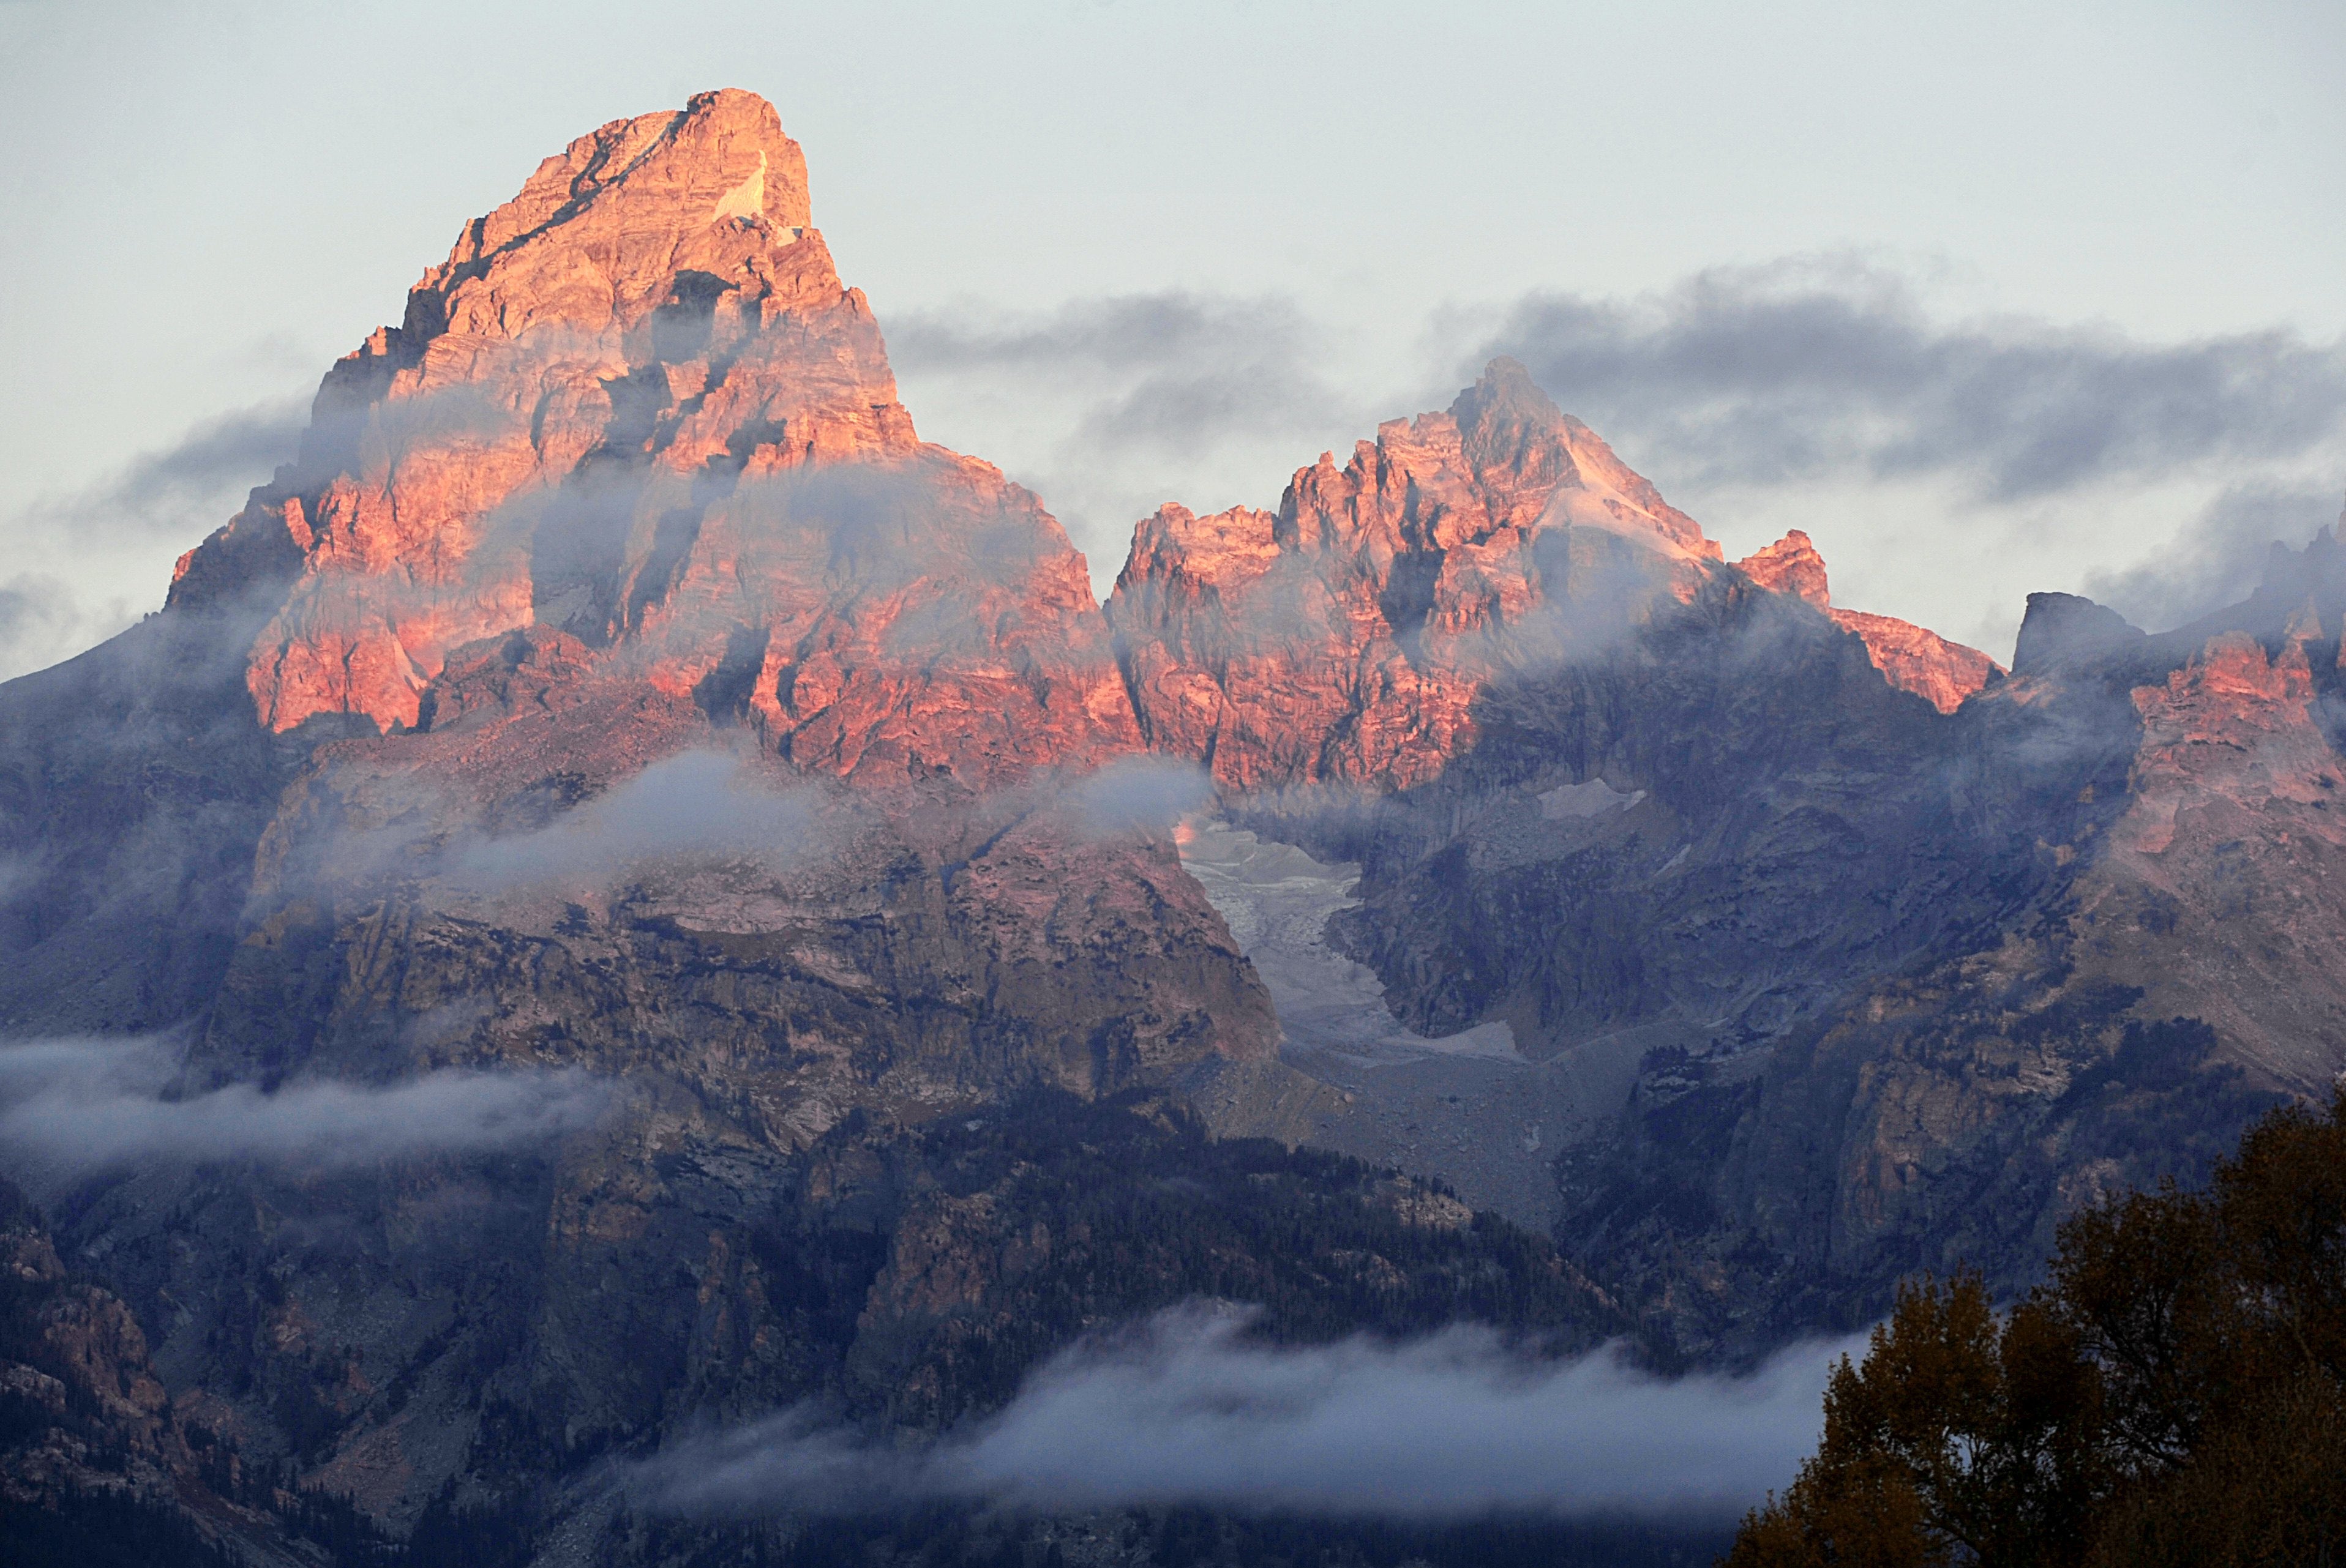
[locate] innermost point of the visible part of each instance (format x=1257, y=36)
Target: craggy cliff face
x=614, y=685
x=1909, y=657
x=636, y=406
x=1344, y=637
x=617, y=690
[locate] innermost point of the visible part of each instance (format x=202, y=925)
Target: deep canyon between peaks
x=625, y=892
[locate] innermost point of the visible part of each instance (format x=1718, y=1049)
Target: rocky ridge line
x=1911, y=657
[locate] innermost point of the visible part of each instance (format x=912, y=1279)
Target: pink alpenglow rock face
x=1912, y=658
x=1344, y=637
x=1790, y=565
x=637, y=406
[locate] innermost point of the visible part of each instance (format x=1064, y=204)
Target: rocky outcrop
x=1915, y=658
x=96, y=1461
x=2158, y=968
x=1345, y=638
x=1790, y=565
x=1940, y=672
x=2219, y=888
x=85, y=1412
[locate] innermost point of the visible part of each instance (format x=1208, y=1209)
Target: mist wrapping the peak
x=694, y=806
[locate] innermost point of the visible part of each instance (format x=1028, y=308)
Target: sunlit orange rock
x=1790, y=565
x=1911, y=657
x=637, y=405
x=1345, y=637
x=2224, y=881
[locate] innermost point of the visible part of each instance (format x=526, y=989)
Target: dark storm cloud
x=1795, y=372
x=1186, y=1410
x=81, y=1105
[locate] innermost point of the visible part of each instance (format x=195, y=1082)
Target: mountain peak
x=602, y=232
x=637, y=408
x=2062, y=631
x=1505, y=391
x=1790, y=565
x=1911, y=657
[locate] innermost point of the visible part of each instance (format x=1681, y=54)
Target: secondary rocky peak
x=1516, y=442
x=1915, y=658
x=1911, y=657
x=2065, y=631
x=1790, y=565
x=1346, y=635
x=1527, y=454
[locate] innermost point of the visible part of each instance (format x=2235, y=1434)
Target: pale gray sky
x=1990, y=297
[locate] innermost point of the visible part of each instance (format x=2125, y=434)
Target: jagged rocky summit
x=1346, y=637
x=616, y=682
x=636, y=409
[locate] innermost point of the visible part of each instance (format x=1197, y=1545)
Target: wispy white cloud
x=694, y=806
x=81, y=1107
x=1187, y=1409
x=1143, y=794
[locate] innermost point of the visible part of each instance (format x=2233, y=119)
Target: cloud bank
x=75, y=1108
x=1823, y=393
x=1784, y=373
x=2220, y=558
x=1186, y=1410
x=1773, y=374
